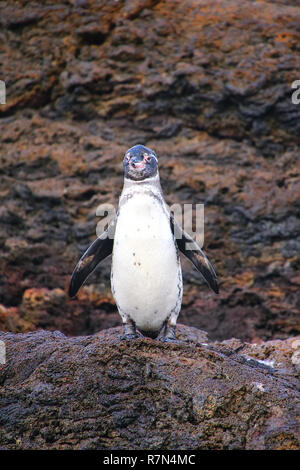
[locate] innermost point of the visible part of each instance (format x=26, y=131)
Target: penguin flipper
x=193, y=252
x=97, y=251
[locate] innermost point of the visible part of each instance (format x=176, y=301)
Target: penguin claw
x=128, y=336
x=169, y=334
x=166, y=339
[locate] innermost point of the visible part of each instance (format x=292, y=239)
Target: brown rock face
x=97, y=392
x=205, y=84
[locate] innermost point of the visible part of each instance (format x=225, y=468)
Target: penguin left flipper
x=193, y=252
x=98, y=251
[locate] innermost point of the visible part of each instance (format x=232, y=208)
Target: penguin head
x=140, y=163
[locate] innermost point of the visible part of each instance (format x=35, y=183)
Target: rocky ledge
x=98, y=392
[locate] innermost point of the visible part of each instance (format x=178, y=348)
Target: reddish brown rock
x=208, y=86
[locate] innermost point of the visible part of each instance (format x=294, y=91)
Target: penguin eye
x=148, y=158
x=128, y=157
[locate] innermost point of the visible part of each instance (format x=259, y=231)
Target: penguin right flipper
x=193, y=252
x=98, y=251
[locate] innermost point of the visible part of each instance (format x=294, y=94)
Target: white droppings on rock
x=266, y=362
x=296, y=344
x=259, y=386
x=296, y=358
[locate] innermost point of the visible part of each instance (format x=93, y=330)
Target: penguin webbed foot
x=129, y=332
x=169, y=335
x=128, y=336
x=166, y=339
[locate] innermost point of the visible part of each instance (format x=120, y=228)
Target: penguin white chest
x=146, y=273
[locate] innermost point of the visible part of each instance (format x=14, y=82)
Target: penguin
x=144, y=240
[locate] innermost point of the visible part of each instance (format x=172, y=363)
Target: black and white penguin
x=144, y=240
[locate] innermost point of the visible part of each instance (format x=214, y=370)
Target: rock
x=98, y=392
x=208, y=86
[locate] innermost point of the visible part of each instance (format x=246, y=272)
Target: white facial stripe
x=152, y=155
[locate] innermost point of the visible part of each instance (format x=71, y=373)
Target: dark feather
x=98, y=251
x=193, y=252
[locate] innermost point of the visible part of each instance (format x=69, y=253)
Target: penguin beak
x=136, y=162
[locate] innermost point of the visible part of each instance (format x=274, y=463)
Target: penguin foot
x=167, y=339
x=129, y=331
x=169, y=335
x=129, y=336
